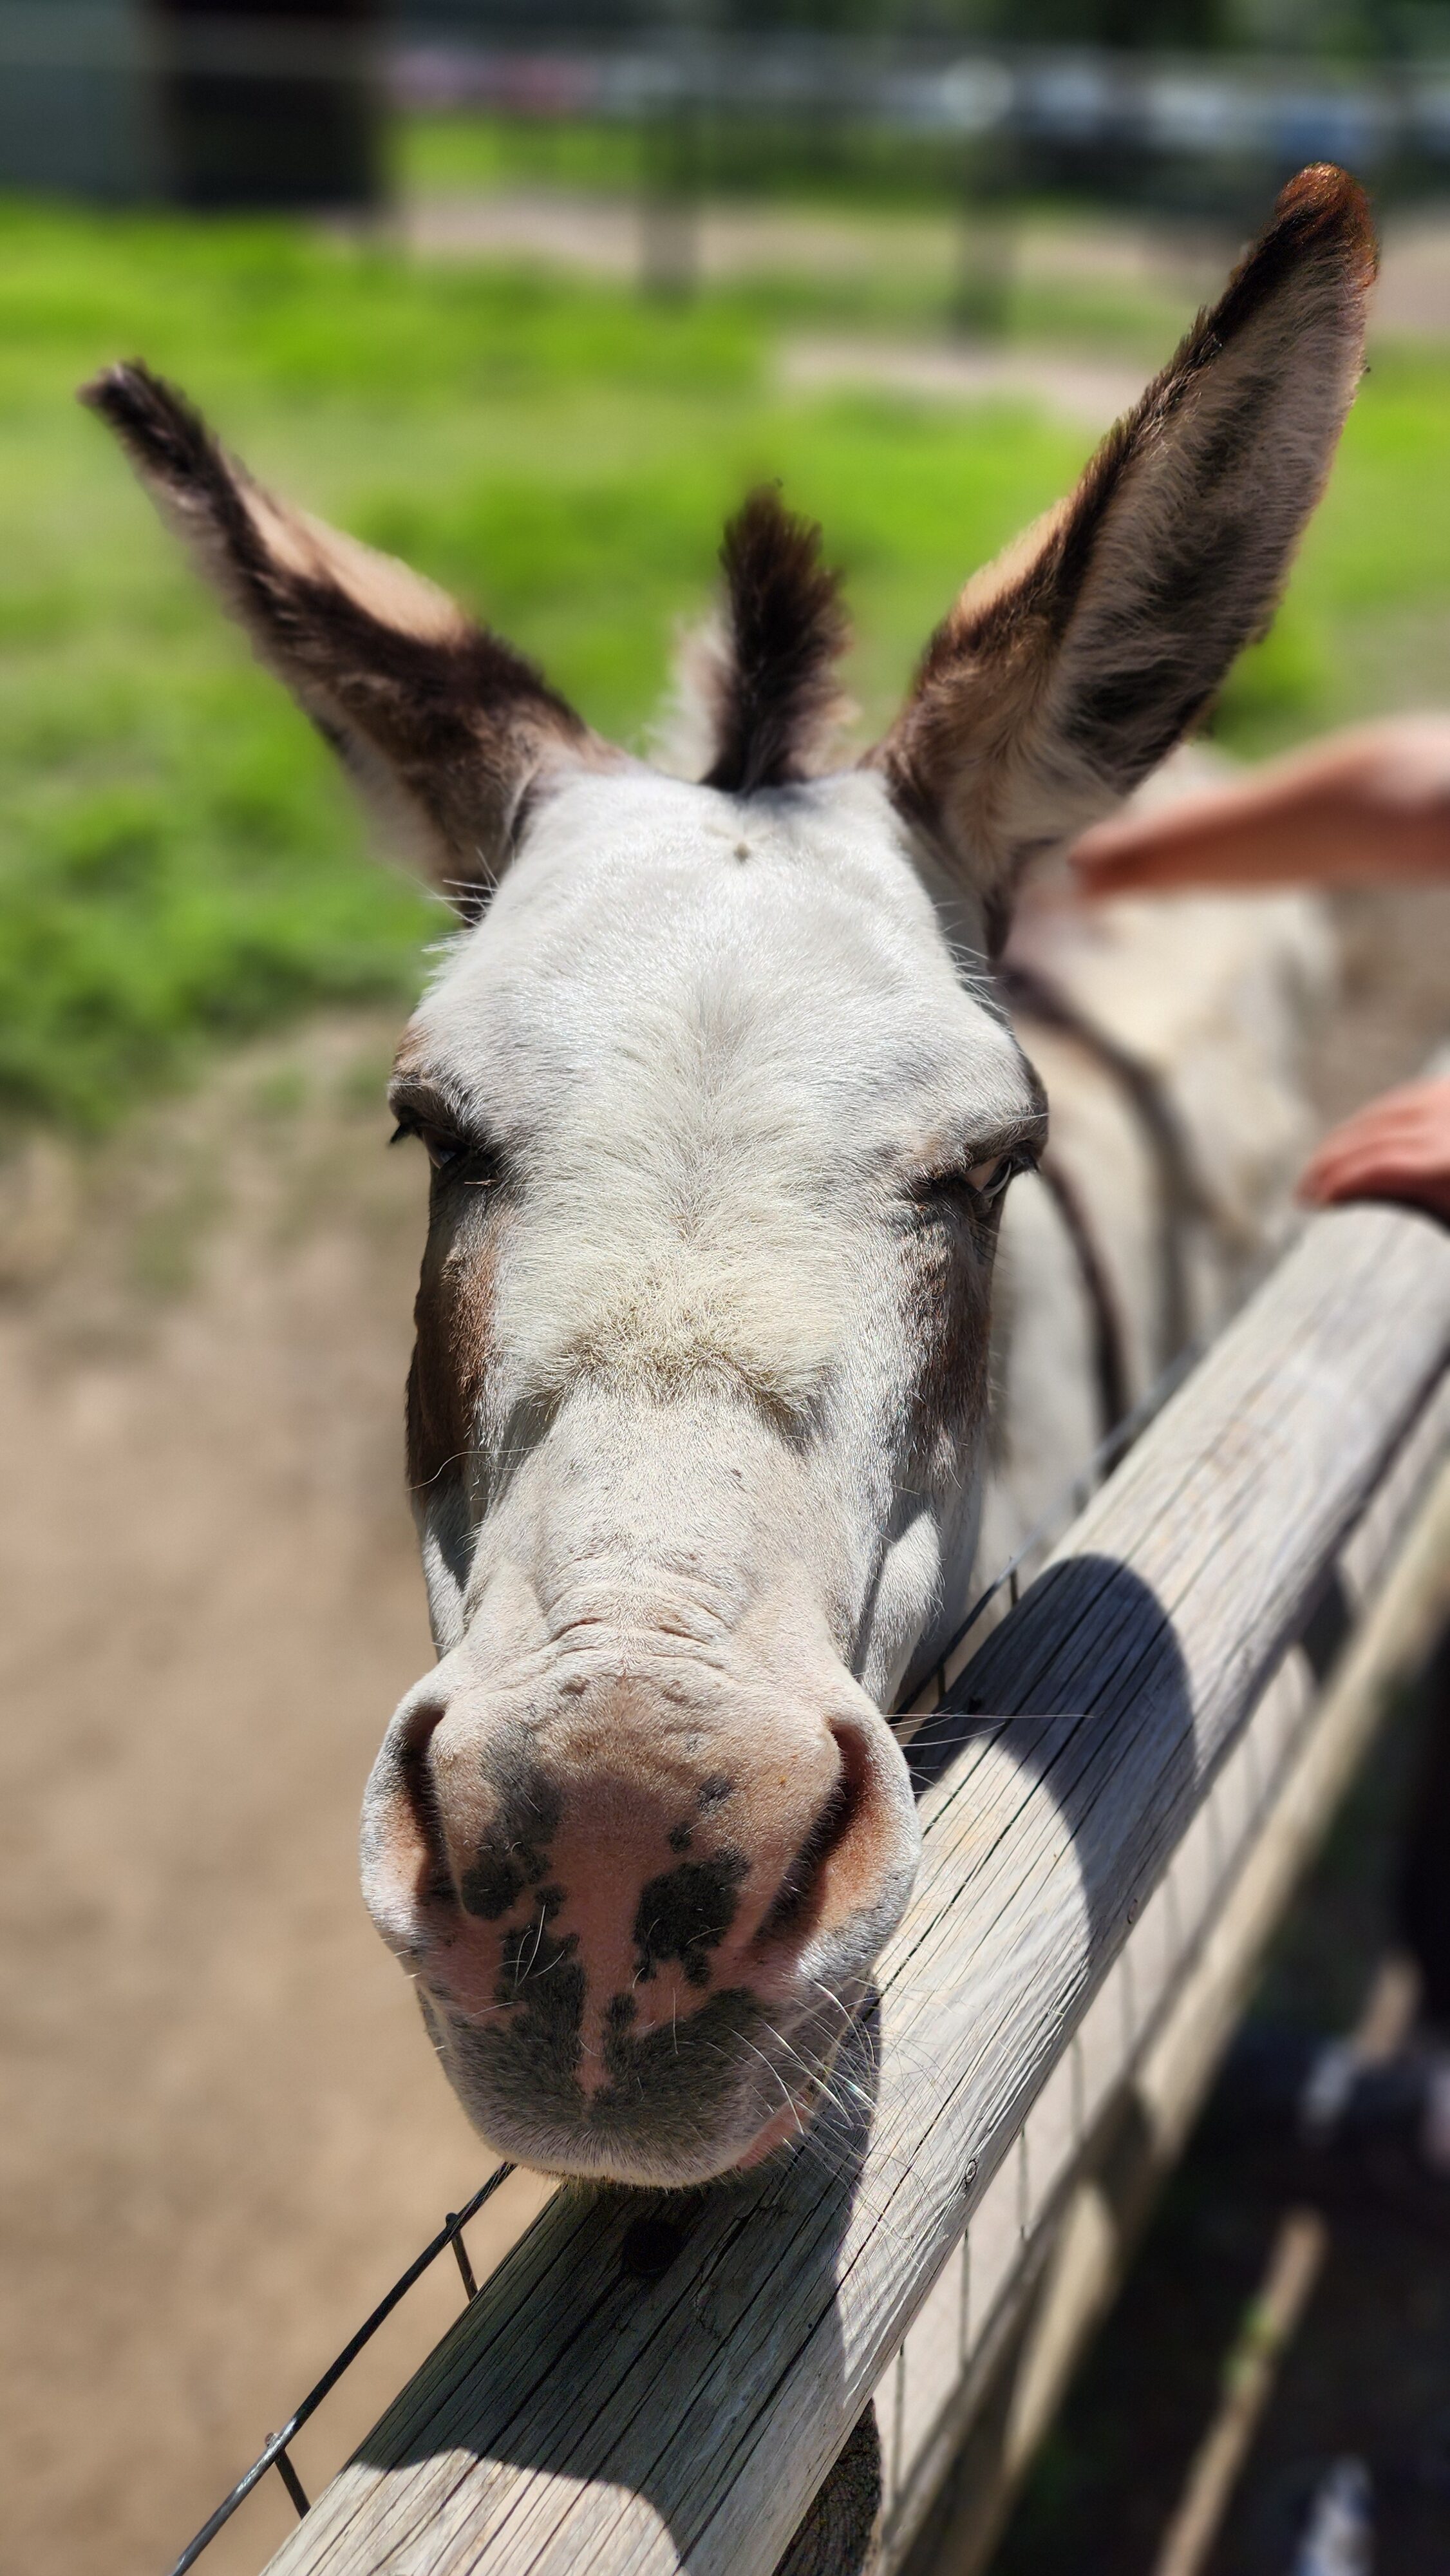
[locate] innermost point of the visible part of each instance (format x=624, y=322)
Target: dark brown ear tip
x=1325, y=204
x=154, y=421
x=120, y=389
x=98, y=393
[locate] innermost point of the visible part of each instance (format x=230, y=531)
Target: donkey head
x=721, y=1111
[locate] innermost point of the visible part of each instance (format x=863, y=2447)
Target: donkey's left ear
x=1067, y=670
x=443, y=725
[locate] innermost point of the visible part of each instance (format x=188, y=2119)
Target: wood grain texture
x=974, y=2386
x=579, y=2416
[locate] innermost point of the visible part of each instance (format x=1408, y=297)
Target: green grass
x=829, y=161
x=464, y=151
x=178, y=862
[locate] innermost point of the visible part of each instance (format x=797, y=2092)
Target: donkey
x=721, y=1106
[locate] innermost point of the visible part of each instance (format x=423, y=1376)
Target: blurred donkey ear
x=1068, y=668
x=444, y=726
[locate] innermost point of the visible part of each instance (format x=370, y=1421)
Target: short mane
x=773, y=685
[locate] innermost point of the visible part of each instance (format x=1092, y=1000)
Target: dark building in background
x=272, y=105
x=77, y=103
x=195, y=102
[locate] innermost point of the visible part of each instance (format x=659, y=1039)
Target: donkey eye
x=445, y=1150
x=974, y=1189
x=985, y=1183
x=989, y=1180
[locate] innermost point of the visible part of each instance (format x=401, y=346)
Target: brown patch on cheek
x=453, y=1315
x=949, y=1316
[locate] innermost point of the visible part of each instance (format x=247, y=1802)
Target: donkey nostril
x=802, y=1894
x=420, y=1796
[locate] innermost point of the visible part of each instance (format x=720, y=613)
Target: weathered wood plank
x=944, y=2380
x=949, y=2499
x=580, y=2416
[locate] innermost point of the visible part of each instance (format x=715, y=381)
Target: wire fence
x=274, y=2451
x=1199, y=134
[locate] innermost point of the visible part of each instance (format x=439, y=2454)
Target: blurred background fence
x=223, y=103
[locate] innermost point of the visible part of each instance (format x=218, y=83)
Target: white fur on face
x=713, y=1039
x=697, y=1407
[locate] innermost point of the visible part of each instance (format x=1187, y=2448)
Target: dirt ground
x=603, y=233
x=224, y=2133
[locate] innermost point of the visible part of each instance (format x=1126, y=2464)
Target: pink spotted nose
x=637, y=1934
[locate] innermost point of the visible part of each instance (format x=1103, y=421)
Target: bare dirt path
x=603, y=233
x=223, y=2131
x=742, y=237
x=1089, y=392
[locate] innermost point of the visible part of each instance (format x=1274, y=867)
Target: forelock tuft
x=773, y=678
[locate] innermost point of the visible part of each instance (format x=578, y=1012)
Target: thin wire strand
x=273, y=2450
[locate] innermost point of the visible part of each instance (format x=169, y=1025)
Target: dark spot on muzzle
x=545, y=1985
x=686, y=1913
x=666, y=2088
x=514, y=1853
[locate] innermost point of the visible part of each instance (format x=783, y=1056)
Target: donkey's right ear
x=444, y=726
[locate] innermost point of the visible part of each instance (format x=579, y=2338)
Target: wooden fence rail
x=1109, y=1774
x=978, y=2377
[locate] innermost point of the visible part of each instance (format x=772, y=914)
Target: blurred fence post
x=987, y=246
x=670, y=158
